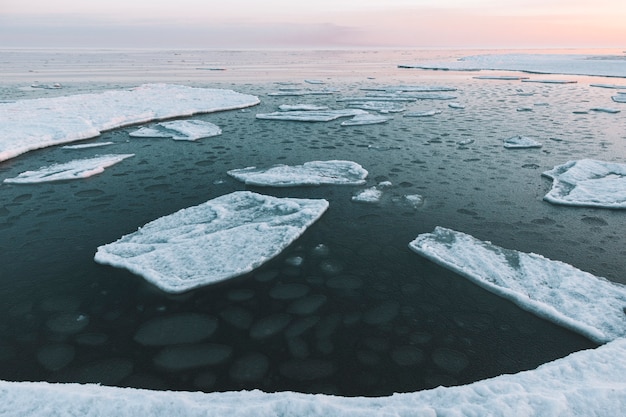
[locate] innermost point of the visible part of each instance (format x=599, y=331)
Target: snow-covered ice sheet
x=26, y=125
x=310, y=115
x=517, y=142
x=179, y=130
x=76, y=169
x=585, y=383
x=309, y=173
x=589, y=305
x=589, y=183
x=573, y=64
x=220, y=239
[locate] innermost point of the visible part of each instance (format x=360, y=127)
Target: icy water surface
x=348, y=309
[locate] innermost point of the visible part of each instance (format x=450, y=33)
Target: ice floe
x=620, y=98
x=425, y=113
x=223, y=238
x=589, y=183
x=76, y=169
x=605, y=110
x=557, y=291
x=573, y=64
x=549, y=81
x=299, y=107
x=369, y=195
x=456, y=105
x=584, y=383
x=179, y=130
x=88, y=145
x=310, y=115
x=613, y=86
x=500, y=77
x=299, y=92
x=366, y=119
x=379, y=106
x=518, y=142
x=309, y=173
x=26, y=125
x=412, y=88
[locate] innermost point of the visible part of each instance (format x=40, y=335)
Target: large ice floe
x=585, y=383
x=589, y=183
x=179, y=130
x=76, y=169
x=220, y=239
x=26, y=125
x=310, y=173
x=573, y=64
x=556, y=291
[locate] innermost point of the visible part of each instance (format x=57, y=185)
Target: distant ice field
x=346, y=309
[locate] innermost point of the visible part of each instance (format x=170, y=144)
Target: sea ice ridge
x=220, y=239
x=556, y=291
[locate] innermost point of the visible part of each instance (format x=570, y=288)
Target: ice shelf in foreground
x=73, y=170
x=574, y=64
x=588, y=183
x=585, y=383
x=179, y=130
x=220, y=239
x=556, y=291
x=26, y=125
x=309, y=173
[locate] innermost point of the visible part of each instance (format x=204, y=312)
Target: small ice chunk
x=309, y=173
x=176, y=329
x=620, y=98
x=77, y=169
x=554, y=290
x=301, y=107
x=425, y=113
x=526, y=108
x=314, y=81
x=310, y=115
x=369, y=195
x=214, y=241
x=88, y=145
x=456, y=105
x=606, y=109
x=415, y=200
x=589, y=183
x=517, y=142
x=179, y=130
x=379, y=106
x=366, y=119
x=500, y=77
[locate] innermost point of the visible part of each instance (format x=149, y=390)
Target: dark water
x=348, y=308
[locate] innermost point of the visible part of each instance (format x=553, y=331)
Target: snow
x=310, y=115
x=589, y=183
x=365, y=119
x=220, y=239
x=179, y=130
x=76, y=169
x=310, y=173
x=518, y=142
x=26, y=125
x=556, y=291
x=585, y=383
x=572, y=64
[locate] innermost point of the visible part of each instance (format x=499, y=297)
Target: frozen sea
x=348, y=309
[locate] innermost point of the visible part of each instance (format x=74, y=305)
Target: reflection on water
x=348, y=308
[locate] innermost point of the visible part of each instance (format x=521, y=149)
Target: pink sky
x=320, y=23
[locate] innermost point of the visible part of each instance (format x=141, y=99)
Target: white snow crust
x=585, y=383
x=589, y=183
x=310, y=173
x=556, y=291
x=26, y=125
x=179, y=130
x=220, y=239
x=76, y=169
x=310, y=115
x=517, y=142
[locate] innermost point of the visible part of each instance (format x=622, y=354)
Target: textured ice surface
x=214, y=241
x=366, y=119
x=557, y=291
x=521, y=142
x=310, y=115
x=26, y=125
x=179, y=130
x=585, y=383
x=588, y=182
x=73, y=170
x=576, y=64
x=309, y=173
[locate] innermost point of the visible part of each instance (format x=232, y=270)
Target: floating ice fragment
x=517, y=142
x=301, y=107
x=426, y=113
x=77, y=169
x=369, y=195
x=500, y=77
x=179, y=130
x=415, y=200
x=525, y=108
x=605, y=110
x=88, y=145
x=614, y=86
x=550, y=81
x=572, y=298
x=297, y=92
x=379, y=106
x=620, y=98
x=176, y=329
x=365, y=119
x=314, y=81
x=411, y=88
x=310, y=115
x=309, y=173
x=34, y=124
x=456, y=105
x=589, y=183
x=214, y=241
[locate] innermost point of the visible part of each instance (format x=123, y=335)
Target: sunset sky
x=312, y=24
